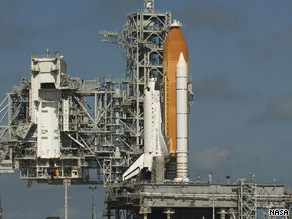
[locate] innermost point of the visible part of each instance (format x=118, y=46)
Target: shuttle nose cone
x=181, y=67
x=181, y=61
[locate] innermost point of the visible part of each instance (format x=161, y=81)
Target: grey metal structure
x=101, y=134
x=92, y=137
x=100, y=121
x=196, y=199
x=141, y=44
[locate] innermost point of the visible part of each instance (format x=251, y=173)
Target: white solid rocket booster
x=182, y=119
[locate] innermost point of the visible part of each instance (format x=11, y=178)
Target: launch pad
x=60, y=128
x=196, y=199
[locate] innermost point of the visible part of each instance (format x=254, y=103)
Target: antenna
x=48, y=53
x=149, y=5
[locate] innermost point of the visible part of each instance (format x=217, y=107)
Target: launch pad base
x=196, y=199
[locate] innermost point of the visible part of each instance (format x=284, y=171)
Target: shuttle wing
x=135, y=168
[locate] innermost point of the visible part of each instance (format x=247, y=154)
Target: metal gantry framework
x=141, y=44
x=196, y=199
x=100, y=132
x=100, y=121
x=247, y=200
x=92, y=136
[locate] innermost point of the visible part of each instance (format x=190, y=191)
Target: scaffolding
x=141, y=44
x=196, y=199
x=247, y=200
x=101, y=134
x=100, y=121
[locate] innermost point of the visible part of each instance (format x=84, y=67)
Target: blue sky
x=240, y=57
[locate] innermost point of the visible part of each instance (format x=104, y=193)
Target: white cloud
x=279, y=108
x=211, y=159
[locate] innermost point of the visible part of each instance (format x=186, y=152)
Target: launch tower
x=53, y=133
x=141, y=44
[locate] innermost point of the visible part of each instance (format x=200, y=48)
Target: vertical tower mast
x=141, y=44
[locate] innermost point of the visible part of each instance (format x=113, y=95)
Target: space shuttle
x=155, y=147
x=169, y=150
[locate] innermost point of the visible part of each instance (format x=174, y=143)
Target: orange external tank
x=174, y=44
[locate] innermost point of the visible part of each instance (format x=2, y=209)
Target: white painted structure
x=154, y=141
x=45, y=100
x=182, y=119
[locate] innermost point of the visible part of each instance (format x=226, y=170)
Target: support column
x=128, y=214
x=66, y=183
x=144, y=210
x=232, y=213
x=212, y=202
x=117, y=214
x=169, y=212
x=222, y=213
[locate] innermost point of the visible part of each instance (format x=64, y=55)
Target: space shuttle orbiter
x=155, y=146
